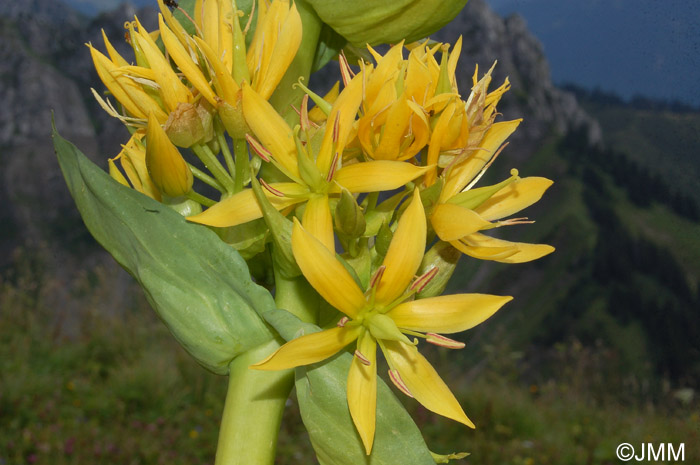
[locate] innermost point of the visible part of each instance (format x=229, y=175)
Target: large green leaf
x=321, y=391
x=199, y=286
x=374, y=22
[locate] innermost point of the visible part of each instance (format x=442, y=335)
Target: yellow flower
x=462, y=211
x=222, y=44
x=133, y=161
x=313, y=165
x=458, y=130
x=383, y=315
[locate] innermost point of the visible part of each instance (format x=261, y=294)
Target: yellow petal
x=308, y=349
x=243, y=206
x=393, y=131
x=226, y=17
x=210, y=24
x=386, y=70
x=438, y=133
x=452, y=222
x=344, y=110
x=171, y=89
x=104, y=68
x=183, y=60
x=316, y=114
x=318, y=221
x=133, y=158
x=271, y=129
x=116, y=58
x=423, y=382
x=226, y=86
x=478, y=245
x=174, y=24
x=326, y=274
x=362, y=390
x=405, y=252
x=380, y=175
x=281, y=56
x=167, y=168
x=462, y=174
x=514, y=197
x=448, y=313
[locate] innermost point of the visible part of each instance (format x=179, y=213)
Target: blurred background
x=600, y=346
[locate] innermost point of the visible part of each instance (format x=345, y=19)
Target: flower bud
x=444, y=257
x=166, y=167
x=383, y=239
x=189, y=124
x=386, y=21
x=349, y=219
x=233, y=119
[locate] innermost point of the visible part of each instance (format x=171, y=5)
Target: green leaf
x=199, y=286
x=329, y=45
x=374, y=22
x=321, y=391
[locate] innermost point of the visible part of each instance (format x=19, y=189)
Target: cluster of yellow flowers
x=399, y=126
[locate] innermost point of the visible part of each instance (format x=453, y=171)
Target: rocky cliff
x=44, y=67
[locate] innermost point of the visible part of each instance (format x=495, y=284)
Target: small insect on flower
x=172, y=4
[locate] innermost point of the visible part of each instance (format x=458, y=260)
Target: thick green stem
x=253, y=410
x=255, y=399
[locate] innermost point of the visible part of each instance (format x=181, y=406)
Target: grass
x=120, y=390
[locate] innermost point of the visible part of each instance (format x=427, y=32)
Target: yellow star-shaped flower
x=384, y=316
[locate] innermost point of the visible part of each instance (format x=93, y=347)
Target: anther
x=304, y=113
x=363, y=360
x=345, y=70
x=271, y=189
x=377, y=276
x=442, y=341
x=342, y=321
x=334, y=165
x=257, y=147
x=423, y=280
x=398, y=382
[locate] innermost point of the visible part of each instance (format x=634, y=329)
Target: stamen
x=258, y=148
x=334, y=165
x=298, y=112
x=342, y=321
x=377, y=276
x=514, y=221
x=363, y=360
x=250, y=19
x=345, y=70
x=271, y=189
x=304, y=113
x=483, y=170
x=442, y=341
x=398, y=382
x=423, y=280
x=336, y=128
